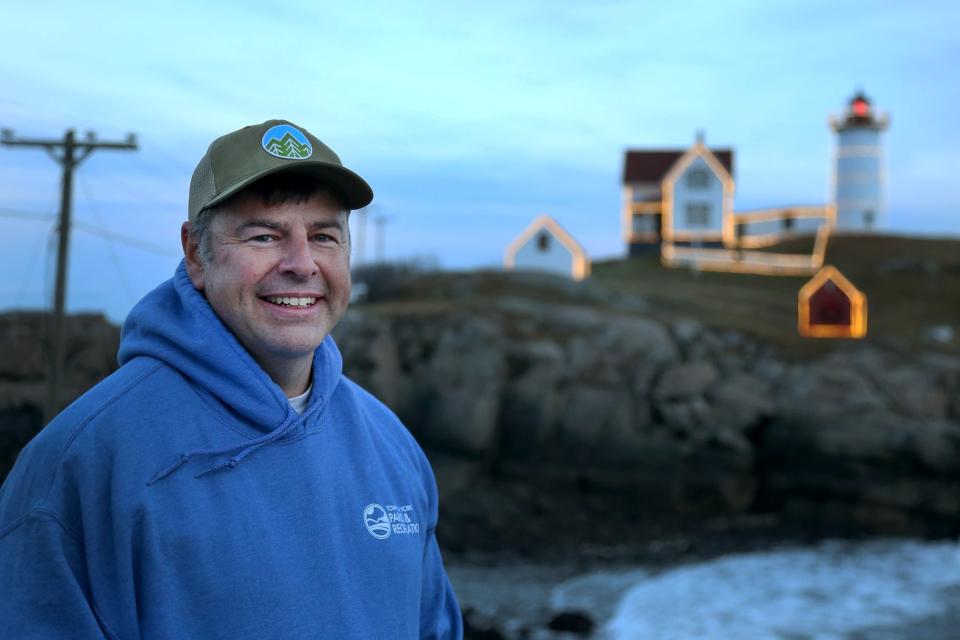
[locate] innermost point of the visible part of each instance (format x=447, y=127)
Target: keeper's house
x=677, y=197
x=546, y=246
x=680, y=204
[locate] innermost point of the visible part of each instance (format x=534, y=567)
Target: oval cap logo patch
x=285, y=141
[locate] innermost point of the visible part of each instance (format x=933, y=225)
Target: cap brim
x=352, y=189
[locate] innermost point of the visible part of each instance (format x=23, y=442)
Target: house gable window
x=543, y=241
x=698, y=179
x=698, y=214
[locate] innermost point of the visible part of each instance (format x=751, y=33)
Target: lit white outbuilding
x=546, y=246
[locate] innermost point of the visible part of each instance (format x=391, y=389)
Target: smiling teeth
x=291, y=302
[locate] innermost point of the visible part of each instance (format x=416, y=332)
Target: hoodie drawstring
x=246, y=447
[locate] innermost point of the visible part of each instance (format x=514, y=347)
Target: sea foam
x=837, y=590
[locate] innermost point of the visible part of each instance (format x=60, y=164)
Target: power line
x=26, y=215
x=93, y=229
x=111, y=251
x=137, y=243
x=154, y=147
x=35, y=253
x=50, y=269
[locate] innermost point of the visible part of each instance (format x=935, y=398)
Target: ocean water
x=838, y=590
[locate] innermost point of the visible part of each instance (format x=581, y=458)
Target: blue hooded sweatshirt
x=183, y=497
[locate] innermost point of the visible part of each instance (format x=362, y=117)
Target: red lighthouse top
x=860, y=106
x=859, y=115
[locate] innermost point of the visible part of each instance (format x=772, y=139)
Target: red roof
x=652, y=166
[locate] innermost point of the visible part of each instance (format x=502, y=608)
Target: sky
x=467, y=119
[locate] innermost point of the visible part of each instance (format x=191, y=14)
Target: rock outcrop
x=90, y=355
x=558, y=384
x=582, y=388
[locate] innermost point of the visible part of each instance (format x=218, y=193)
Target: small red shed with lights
x=829, y=306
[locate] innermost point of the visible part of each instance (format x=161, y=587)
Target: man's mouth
x=291, y=301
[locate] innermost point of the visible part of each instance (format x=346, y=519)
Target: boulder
x=691, y=418
x=23, y=346
x=679, y=396
x=575, y=622
x=686, y=331
x=741, y=401
x=912, y=391
x=476, y=627
x=828, y=388
x=717, y=475
x=685, y=380
x=457, y=393
x=528, y=413
x=90, y=348
x=593, y=417
x=371, y=357
x=642, y=347
x=573, y=319
x=878, y=462
x=584, y=362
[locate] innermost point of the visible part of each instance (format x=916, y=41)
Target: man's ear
x=191, y=254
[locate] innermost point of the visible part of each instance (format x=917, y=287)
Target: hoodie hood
x=175, y=324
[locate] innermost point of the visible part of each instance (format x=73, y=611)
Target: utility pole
x=381, y=240
x=69, y=153
x=361, y=243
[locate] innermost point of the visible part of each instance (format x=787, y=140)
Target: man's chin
x=295, y=349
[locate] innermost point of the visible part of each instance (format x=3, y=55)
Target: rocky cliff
x=549, y=406
x=553, y=384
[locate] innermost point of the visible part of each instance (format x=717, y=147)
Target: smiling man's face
x=278, y=277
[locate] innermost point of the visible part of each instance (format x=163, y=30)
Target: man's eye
x=262, y=239
x=325, y=238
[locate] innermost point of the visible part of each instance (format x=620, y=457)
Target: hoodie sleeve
x=43, y=588
x=440, y=616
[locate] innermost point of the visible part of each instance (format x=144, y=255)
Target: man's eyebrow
x=279, y=226
x=327, y=224
x=268, y=224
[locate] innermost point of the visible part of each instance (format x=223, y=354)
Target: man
x=228, y=481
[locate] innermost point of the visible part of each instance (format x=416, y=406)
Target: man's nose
x=298, y=259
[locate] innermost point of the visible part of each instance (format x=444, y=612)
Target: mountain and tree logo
x=286, y=141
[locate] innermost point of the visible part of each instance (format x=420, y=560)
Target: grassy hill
x=911, y=284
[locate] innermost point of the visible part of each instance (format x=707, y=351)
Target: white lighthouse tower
x=858, y=178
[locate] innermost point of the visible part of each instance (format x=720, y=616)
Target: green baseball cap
x=240, y=158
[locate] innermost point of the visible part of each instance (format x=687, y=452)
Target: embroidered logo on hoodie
x=395, y=519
